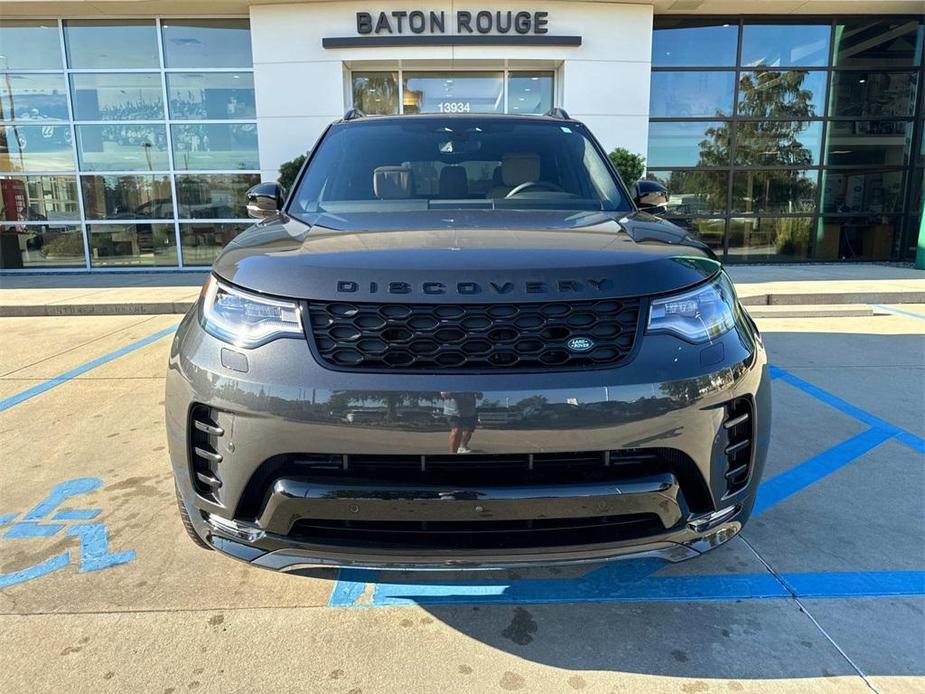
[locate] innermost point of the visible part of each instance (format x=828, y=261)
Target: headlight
x=245, y=319
x=698, y=315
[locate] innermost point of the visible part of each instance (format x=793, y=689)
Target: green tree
x=629, y=165
x=289, y=170
x=770, y=100
x=766, y=135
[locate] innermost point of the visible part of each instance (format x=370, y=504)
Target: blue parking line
x=842, y=406
x=911, y=440
x=605, y=585
x=861, y=584
x=350, y=586
x=899, y=311
x=784, y=485
x=904, y=436
x=29, y=393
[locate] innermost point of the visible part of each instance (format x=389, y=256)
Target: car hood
x=472, y=257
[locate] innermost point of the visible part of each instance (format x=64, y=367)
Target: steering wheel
x=526, y=185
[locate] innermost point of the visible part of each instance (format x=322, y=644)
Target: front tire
x=188, y=524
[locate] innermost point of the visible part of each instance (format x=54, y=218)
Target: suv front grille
x=473, y=337
x=478, y=535
x=481, y=469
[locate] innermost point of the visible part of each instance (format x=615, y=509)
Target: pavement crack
x=796, y=598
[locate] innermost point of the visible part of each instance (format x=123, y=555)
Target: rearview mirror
x=265, y=200
x=651, y=196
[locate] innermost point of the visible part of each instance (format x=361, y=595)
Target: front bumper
x=276, y=408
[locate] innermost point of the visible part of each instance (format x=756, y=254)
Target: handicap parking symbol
x=45, y=520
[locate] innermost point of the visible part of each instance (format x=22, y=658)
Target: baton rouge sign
x=459, y=28
x=482, y=22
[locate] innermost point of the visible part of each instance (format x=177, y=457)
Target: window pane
x=778, y=143
x=215, y=146
x=36, y=148
x=29, y=44
x=782, y=94
x=710, y=231
x=868, y=238
x=126, y=96
x=38, y=198
x=694, y=192
x=529, y=92
x=41, y=246
x=774, y=191
x=127, y=197
x=32, y=97
x=688, y=144
x=873, y=94
x=214, y=196
x=453, y=92
x=375, y=92
x=785, y=44
x=122, y=147
x=878, y=43
x=114, y=245
x=764, y=239
x=862, y=191
x=868, y=143
x=124, y=43
x=199, y=43
x=680, y=43
x=691, y=94
x=201, y=243
x=211, y=96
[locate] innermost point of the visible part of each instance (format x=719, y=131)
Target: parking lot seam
x=82, y=344
x=838, y=648
x=804, y=610
x=47, y=385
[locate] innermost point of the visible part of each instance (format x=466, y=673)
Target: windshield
x=390, y=170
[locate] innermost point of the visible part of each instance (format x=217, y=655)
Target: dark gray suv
x=459, y=342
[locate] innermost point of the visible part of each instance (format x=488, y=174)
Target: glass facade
x=124, y=143
x=131, y=142
x=457, y=91
x=790, y=140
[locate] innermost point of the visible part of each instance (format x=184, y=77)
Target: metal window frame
x=162, y=70
x=822, y=166
x=400, y=70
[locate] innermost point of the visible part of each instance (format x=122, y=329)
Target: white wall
x=301, y=86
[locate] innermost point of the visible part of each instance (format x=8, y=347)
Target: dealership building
x=131, y=130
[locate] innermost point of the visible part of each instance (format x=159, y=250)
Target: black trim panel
x=449, y=40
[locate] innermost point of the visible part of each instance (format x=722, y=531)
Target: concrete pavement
x=824, y=590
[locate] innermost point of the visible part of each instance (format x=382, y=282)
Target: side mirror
x=265, y=200
x=651, y=196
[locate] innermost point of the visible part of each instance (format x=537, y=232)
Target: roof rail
x=353, y=114
x=557, y=112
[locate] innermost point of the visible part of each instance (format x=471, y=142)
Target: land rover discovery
x=459, y=341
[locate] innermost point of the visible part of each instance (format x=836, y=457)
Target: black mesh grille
x=485, y=534
x=474, y=337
